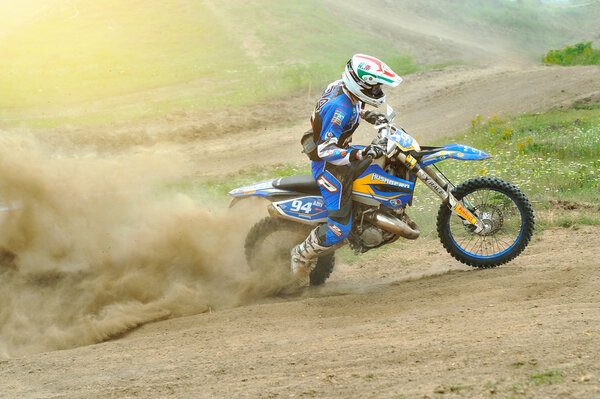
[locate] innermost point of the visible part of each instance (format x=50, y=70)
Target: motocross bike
x=482, y=222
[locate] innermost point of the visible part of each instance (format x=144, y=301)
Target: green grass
x=579, y=54
x=111, y=47
x=549, y=377
x=96, y=61
x=527, y=384
x=573, y=221
x=458, y=387
x=551, y=156
x=143, y=60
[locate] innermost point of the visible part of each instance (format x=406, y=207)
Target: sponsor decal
x=411, y=161
x=320, y=104
x=404, y=141
x=435, y=187
x=371, y=76
x=335, y=230
x=395, y=202
x=338, y=117
x=389, y=181
x=301, y=207
x=465, y=214
x=382, y=67
x=364, y=65
x=353, y=118
x=326, y=184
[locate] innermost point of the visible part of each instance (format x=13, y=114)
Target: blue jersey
x=334, y=120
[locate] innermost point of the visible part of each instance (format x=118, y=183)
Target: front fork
x=442, y=189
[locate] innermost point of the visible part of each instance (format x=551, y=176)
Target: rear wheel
x=269, y=244
x=504, y=210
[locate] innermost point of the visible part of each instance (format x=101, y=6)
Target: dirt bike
x=482, y=222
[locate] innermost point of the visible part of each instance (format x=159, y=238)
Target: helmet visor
x=373, y=91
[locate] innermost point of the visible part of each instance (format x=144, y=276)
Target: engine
x=374, y=228
x=372, y=237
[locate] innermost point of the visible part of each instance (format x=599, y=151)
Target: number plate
x=306, y=208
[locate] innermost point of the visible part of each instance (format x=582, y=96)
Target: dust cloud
x=95, y=245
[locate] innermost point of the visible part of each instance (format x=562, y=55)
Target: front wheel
x=268, y=248
x=504, y=210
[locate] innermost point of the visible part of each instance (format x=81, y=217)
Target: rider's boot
x=305, y=256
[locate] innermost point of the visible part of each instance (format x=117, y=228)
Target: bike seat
x=305, y=184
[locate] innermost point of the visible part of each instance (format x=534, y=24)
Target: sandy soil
x=411, y=322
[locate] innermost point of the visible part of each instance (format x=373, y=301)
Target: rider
x=333, y=121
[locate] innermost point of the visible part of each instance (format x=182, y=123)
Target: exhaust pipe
x=394, y=225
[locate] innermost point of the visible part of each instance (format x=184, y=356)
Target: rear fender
x=263, y=189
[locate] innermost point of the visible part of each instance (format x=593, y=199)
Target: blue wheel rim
x=468, y=249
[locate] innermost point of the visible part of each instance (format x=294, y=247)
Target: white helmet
x=364, y=76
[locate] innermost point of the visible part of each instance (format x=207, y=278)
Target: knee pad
x=335, y=232
x=331, y=190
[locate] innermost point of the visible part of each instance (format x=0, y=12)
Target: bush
x=579, y=54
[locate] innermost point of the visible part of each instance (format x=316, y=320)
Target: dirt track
x=410, y=323
x=429, y=104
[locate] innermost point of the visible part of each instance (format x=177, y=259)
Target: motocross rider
x=335, y=118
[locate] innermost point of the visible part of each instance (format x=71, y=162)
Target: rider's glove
x=372, y=151
x=374, y=118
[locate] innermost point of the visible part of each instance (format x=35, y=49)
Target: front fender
x=455, y=151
